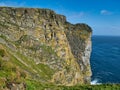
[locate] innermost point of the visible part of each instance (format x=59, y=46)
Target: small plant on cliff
x=2, y=52
x=3, y=37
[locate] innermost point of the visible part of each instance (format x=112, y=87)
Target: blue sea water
x=105, y=59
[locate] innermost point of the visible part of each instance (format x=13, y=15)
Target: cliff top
x=48, y=13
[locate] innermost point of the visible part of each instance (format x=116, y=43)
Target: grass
x=10, y=72
x=33, y=85
x=40, y=68
x=10, y=68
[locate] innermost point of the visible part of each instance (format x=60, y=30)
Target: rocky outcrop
x=59, y=49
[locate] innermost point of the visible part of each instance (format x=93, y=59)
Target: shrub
x=3, y=37
x=2, y=52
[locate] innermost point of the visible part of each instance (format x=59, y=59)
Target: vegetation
x=33, y=85
x=17, y=68
x=10, y=73
x=3, y=37
x=2, y=52
x=93, y=87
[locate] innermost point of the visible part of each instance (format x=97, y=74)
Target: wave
x=95, y=82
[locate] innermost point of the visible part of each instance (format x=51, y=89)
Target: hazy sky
x=102, y=15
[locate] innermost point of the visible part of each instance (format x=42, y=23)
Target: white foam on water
x=95, y=82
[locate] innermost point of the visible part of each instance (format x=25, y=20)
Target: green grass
x=43, y=70
x=46, y=70
x=32, y=66
x=10, y=72
x=33, y=85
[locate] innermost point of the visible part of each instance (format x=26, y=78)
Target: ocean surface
x=105, y=59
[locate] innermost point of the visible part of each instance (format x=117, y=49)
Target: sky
x=102, y=15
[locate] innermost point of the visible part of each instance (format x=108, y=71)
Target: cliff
x=38, y=44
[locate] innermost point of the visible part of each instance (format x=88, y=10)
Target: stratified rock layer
x=58, y=50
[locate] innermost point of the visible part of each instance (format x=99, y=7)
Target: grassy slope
x=17, y=68
x=37, y=86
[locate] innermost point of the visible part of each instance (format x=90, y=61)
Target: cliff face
x=45, y=45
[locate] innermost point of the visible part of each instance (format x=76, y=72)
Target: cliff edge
x=44, y=46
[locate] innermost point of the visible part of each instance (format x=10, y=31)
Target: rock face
x=53, y=49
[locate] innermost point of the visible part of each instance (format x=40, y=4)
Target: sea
x=105, y=59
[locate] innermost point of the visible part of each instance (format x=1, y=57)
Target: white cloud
x=105, y=12
x=75, y=17
x=115, y=27
x=78, y=15
x=13, y=4
x=72, y=16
